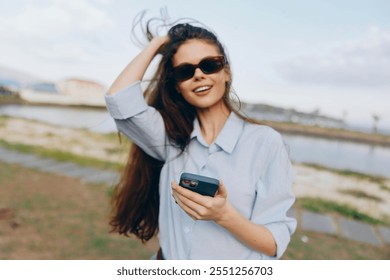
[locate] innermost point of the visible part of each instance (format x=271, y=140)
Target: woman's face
x=202, y=90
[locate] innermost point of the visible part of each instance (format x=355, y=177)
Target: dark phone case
x=200, y=184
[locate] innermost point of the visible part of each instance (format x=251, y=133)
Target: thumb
x=222, y=191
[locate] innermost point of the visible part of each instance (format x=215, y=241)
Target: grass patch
x=10, y=98
x=385, y=188
x=59, y=218
x=110, y=192
x=325, y=206
x=319, y=246
x=3, y=119
x=62, y=156
x=114, y=150
x=114, y=137
x=361, y=194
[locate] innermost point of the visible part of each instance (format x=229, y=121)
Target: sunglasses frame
x=217, y=59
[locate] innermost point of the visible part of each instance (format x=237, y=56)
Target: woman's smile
x=202, y=90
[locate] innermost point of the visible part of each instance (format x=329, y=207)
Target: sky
x=330, y=55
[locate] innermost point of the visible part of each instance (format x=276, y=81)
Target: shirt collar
x=229, y=135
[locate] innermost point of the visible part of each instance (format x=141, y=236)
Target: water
x=97, y=120
x=374, y=160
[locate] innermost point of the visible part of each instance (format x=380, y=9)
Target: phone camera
x=193, y=184
x=189, y=183
x=186, y=182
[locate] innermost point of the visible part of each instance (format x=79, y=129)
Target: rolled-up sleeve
x=141, y=123
x=274, y=196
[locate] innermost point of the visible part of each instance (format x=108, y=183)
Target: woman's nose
x=198, y=73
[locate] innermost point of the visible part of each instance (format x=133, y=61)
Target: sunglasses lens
x=184, y=72
x=211, y=65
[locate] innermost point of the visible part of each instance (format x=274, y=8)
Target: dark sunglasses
x=208, y=65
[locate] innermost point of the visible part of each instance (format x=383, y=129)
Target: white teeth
x=199, y=89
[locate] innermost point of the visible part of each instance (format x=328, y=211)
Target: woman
x=190, y=125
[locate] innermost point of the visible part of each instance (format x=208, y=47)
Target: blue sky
x=328, y=55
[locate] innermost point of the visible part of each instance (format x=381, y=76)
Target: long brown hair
x=135, y=202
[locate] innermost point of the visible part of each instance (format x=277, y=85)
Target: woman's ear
x=177, y=88
x=227, y=74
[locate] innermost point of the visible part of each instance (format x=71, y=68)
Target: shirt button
x=186, y=229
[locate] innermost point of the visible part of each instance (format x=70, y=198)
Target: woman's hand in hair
x=160, y=41
x=201, y=207
x=136, y=69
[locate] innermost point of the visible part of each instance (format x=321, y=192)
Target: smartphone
x=200, y=184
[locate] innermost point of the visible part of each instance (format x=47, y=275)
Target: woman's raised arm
x=136, y=69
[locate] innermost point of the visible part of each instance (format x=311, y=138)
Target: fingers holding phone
x=199, y=197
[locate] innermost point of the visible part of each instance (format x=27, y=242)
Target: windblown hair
x=135, y=202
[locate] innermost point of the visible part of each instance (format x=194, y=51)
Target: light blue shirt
x=250, y=159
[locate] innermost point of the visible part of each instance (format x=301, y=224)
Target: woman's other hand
x=218, y=209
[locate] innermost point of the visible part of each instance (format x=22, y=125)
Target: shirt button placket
x=204, y=158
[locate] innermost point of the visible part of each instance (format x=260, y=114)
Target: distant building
x=44, y=88
x=78, y=87
x=70, y=92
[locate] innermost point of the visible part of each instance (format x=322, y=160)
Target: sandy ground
x=309, y=182
x=77, y=141
x=374, y=200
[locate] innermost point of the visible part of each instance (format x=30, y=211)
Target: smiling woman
x=204, y=78
x=190, y=125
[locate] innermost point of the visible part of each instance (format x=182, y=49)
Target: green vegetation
x=385, y=188
x=325, y=206
x=62, y=156
x=9, y=96
x=361, y=194
x=318, y=246
x=47, y=216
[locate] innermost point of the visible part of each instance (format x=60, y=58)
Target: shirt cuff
x=127, y=102
x=282, y=238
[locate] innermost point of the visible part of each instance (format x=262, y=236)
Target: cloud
x=58, y=30
x=365, y=62
x=59, y=18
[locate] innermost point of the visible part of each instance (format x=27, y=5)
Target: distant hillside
x=280, y=114
x=10, y=75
